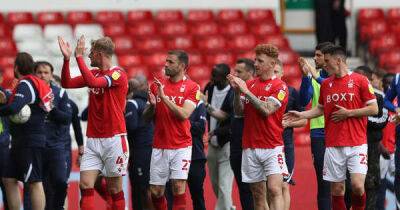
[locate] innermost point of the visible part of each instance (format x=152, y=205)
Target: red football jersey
x=107, y=105
x=171, y=132
x=389, y=135
x=352, y=91
x=260, y=131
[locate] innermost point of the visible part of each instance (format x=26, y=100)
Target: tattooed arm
x=264, y=107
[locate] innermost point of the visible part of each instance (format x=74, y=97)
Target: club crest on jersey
x=115, y=75
x=182, y=89
x=350, y=84
x=281, y=95
x=268, y=87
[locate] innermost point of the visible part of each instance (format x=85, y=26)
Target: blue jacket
x=293, y=104
x=392, y=93
x=32, y=133
x=59, y=119
x=140, y=133
x=76, y=125
x=5, y=137
x=197, y=129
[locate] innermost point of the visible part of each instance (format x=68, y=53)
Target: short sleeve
x=279, y=94
x=366, y=91
x=116, y=78
x=193, y=94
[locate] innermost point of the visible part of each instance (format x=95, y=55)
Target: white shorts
x=108, y=155
x=387, y=166
x=169, y=164
x=338, y=160
x=258, y=164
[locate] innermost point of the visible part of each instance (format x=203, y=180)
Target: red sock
x=103, y=192
x=338, y=203
x=87, y=199
x=159, y=203
x=118, y=201
x=179, y=202
x=358, y=201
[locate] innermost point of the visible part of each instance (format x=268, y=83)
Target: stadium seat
x=53, y=47
x=199, y=72
x=168, y=15
x=150, y=45
x=212, y=43
x=242, y=43
x=222, y=57
x=123, y=44
x=14, y=18
x=264, y=29
x=33, y=47
x=132, y=71
x=233, y=28
x=249, y=54
x=1, y=18
x=199, y=15
x=288, y=57
x=278, y=40
x=389, y=59
x=181, y=42
x=79, y=17
x=366, y=15
x=44, y=18
x=229, y=15
x=138, y=15
x=260, y=15
x=155, y=59
x=204, y=28
x=5, y=30
x=395, y=27
x=292, y=71
x=7, y=61
x=109, y=17
x=373, y=29
x=142, y=29
x=27, y=31
x=195, y=58
x=114, y=29
x=393, y=15
x=52, y=31
x=382, y=43
x=129, y=60
x=89, y=30
x=173, y=28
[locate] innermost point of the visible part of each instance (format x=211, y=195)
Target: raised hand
x=237, y=83
x=80, y=47
x=160, y=88
x=65, y=48
x=152, y=98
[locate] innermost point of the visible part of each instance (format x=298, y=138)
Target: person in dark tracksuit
x=391, y=94
x=244, y=69
x=29, y=138
x=140, y=138
x=197, y=170
x=57, y=126
x=76, y=126
x=5, y=143
x=310, y=91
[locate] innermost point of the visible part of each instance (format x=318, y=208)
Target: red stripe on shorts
x=123, y=143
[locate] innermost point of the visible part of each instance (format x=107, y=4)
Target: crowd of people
x=157, y=133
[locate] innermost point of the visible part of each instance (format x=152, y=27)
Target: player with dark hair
x=29, y=138
x=346, y=100
x=172, y=101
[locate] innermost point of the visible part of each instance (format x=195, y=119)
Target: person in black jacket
x=140, y=138
x=219, y=106
x=374, y=136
